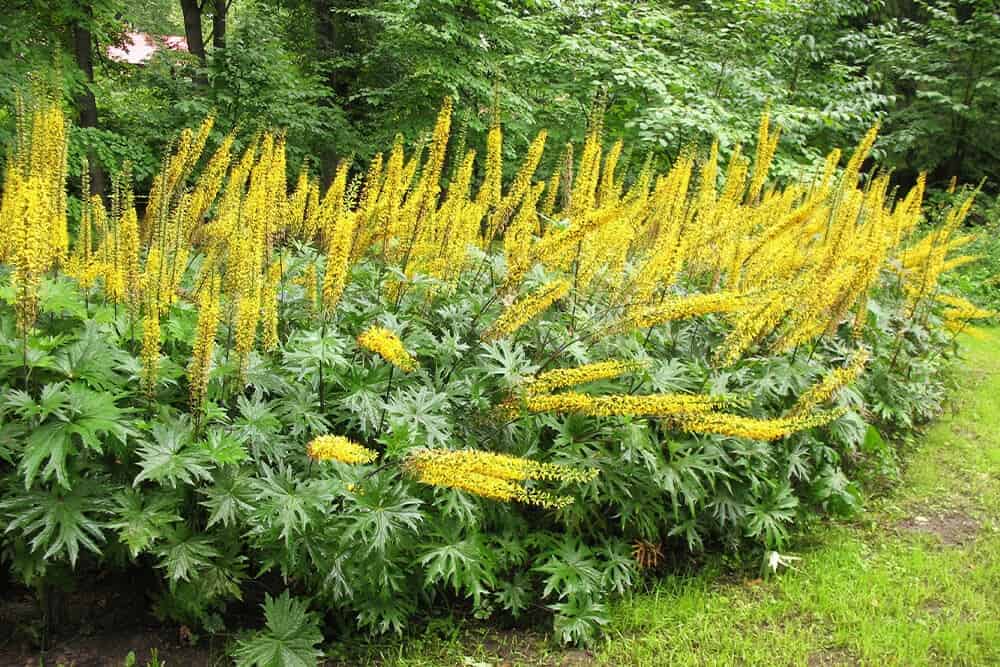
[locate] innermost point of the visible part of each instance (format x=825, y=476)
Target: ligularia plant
x=417, y=384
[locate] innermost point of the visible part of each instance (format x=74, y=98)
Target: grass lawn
x=916, y=581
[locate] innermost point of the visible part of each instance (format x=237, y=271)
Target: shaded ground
x=915, y=582
x=94, y=628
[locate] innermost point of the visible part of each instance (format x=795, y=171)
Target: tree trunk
x=219, y=16
x=86, y=104
x=192, y=33
x=328, y=42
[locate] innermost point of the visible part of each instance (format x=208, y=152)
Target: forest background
x=341, y=77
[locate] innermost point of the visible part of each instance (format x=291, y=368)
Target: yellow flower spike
x=853, y=168
x=767, y=143
x=961, y=308
x=208, y=185
x=560, y=378
x=492, y=475
x=551, y=193
x=204, y=342
x=150, y=352
x=339, y=448
x=518, y=188
x=247, y=319
x=33, y=231
x=269, y=307
x=429, y=185
x=747, y=427
x=681, y=307
x=518, y=236
x=525, y=309
x=608, y=405
x=609, y=189
x=490, y=191
x=829, y=385
x=387, y=345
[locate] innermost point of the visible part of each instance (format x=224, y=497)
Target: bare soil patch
x=951, y=527
x=94, y=627
x=837, y=657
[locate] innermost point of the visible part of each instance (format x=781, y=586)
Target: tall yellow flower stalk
x=610, y=189
x=490, y=191
x=168, y=186
x=81, y=260
x=518, y=238
x=208, y=186
x=494, y=476
x=608, y=405
x=269, y=307
x=430, y=177
x=365, y=227
x=829, y=385
x=681, y=307
x=767, y=143
x=150, y=352
x=33, y=232
x=338, y=259
x=736, y=426
x=960, y=313
x=119, y=250
x=519, y=187
x=247, y=322
x=561, y=378
x=200, y=365
x=525, y=309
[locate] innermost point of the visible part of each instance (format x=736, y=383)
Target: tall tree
x=941, y=66
x=220, y=14
x=192, y=10
x=86, y=104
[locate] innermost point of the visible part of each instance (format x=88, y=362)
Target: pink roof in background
x=138, y=47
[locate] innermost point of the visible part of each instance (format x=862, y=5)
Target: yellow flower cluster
x=338, y=253
x=33, y=232
x=150, y=352
x=560, y=378
x=681, y=307
x=204, y=343
x=960, y=313
x=830, y=384
x=650, y=405
x=747, y=427
x=526, y=309
x=785, y=266
x=519, y=187
x=492, y=475
x=489, y=192
x=767, y=143
x=387, y=345
x=269, y=307
x=962, y=309
x=339, y=448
